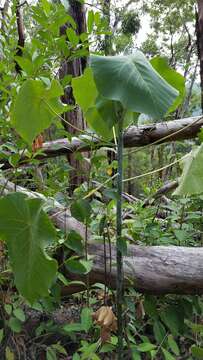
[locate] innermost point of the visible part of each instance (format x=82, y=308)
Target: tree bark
x=199, y=33
x=154, y=269
x=75, y=117
x=135, y=136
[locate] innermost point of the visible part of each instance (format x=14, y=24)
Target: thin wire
x=157, y=170
x=73, y=126
x=164, y=138
x=100, y=186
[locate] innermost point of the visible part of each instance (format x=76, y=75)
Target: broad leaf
x=84, y=90
x=191, y=181
x=79, y=266
x=172, y=77
x=27, y=230
x=75, y=242
x=133, y=81
x=81, y=210
x=99, y=112
x=36, y=107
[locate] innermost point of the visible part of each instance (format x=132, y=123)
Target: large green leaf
x=133, y=81
x=36, y=107
x=191, y=181
x=172, y=77
x=27, y=230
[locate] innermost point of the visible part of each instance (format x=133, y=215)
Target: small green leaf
x=135, y=354
x=1, y=335
x=173, y=345
x=90, y=20
x=15, y=324
x=62, y=278
x=25, y=64
x=167, y=355
x=107, y=348
x=145, y=347
x=81, y=210
x=76, y=356
x=51, y=354
x=46, y=6
x=72, y=37
x=197, y=352
x=9, y=354
x=60, y=349
x=75, y=327
x=19, y=314
x=8, y=308
x=159, y=331
x=86, y=318
x=75, y=242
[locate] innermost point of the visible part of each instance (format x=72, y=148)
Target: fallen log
x=134, y=136
x=149, y=269
x=154, y=269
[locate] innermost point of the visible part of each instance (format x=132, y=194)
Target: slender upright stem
x=119, y=286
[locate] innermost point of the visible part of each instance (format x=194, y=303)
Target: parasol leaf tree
x=130, y=83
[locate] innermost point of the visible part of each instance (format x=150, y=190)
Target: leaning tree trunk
x=75, y=117
x=199, y=33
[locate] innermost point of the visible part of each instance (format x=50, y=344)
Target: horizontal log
x=154, y=269
x=134, y=136
x=150, y=269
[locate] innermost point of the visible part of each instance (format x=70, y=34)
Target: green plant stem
x=119, y=286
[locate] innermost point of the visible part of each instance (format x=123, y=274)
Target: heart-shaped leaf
x=36, y=107
x=133, y=81
x=172, y=77
x=27, y=230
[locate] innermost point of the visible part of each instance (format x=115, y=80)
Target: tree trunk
x=75, y=117
x=199, y=33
